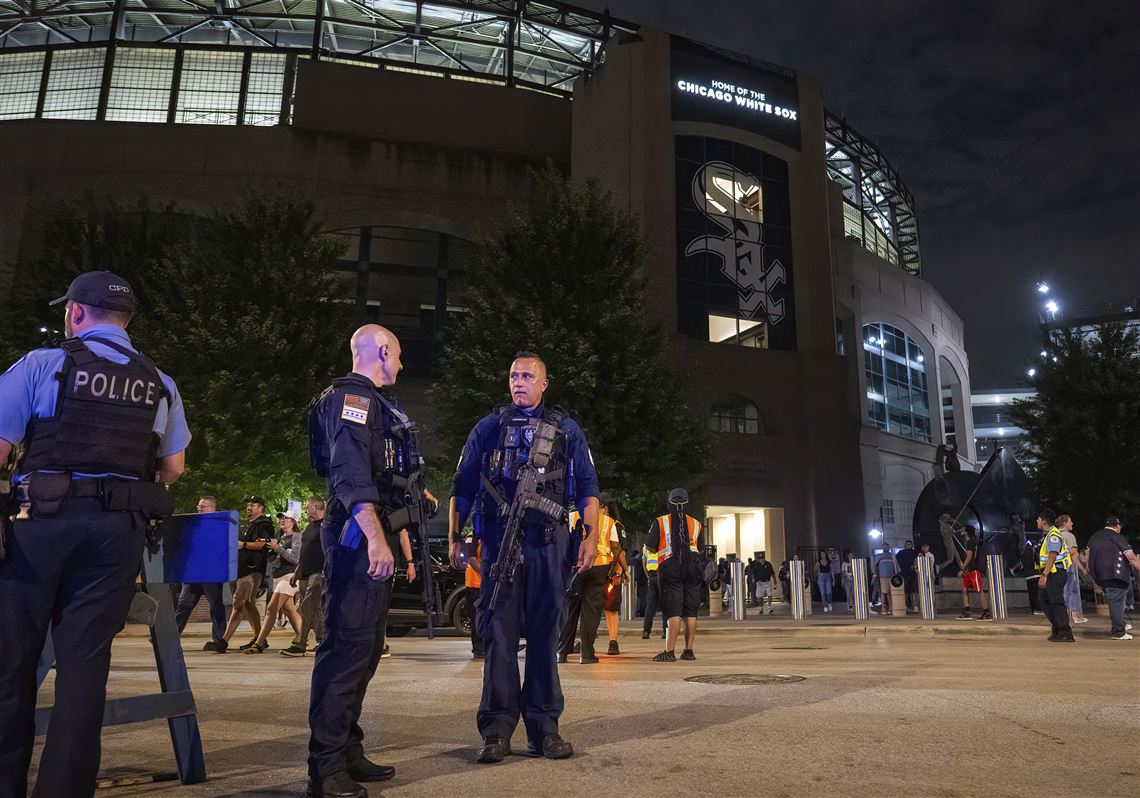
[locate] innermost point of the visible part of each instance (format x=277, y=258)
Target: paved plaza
x=888, y=708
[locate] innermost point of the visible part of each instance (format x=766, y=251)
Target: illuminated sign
x=711, y=87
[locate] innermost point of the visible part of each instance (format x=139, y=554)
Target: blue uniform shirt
x=484, y=439
x=29, y=390
x=353, y=421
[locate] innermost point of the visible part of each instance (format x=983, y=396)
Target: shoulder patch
x=355, y=408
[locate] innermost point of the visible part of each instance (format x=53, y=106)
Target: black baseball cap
x=1112, y=520
x=256, y=500
x=100, y=290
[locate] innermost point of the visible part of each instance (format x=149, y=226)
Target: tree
x=1083, y=426
x=242, y=307
x=564, y=277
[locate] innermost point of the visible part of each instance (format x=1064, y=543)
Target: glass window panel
x=140, y=85
x=263, y=95
x=903, y=407
x=73, y=84
x=209, y=91
x=20, y=76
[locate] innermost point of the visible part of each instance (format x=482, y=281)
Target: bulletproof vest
x=516, y=434
x=104, y=416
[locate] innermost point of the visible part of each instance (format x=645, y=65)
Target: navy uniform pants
x=532, y=606
x=188, y=599
x=1053, y=603
x=75, y=569
x=356, y=610
x=653, y=604
x=585, y=610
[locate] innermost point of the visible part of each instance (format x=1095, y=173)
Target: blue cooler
x=191, y=548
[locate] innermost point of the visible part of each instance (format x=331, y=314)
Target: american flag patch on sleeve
x=355, y=409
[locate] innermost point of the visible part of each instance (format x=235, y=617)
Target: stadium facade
x=786, y=261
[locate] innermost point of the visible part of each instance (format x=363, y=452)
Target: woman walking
x=288, y=550
x=824, y=579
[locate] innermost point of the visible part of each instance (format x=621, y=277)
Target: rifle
x=413, y=516
x=528, y=496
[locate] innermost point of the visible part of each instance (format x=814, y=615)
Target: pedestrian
x=785, y=581
x=1031, y=568
x=1056, y=561
x=640, y=580
x=473, y=579
x=309, y=579
x=750, y=576
x=824, y=580
x=676, y=539
x=363, y=443
x=765, y=577
x=906, y=559
x=100, y=429
x=619, y=576
x=886, y=568
x=253, y=559
x=972, y=576
x=849, y=579
x=653, y=594
x=585, y=606
x=527, y=431
x=1110, y=556
x=191, y=594
x=1073, y=578
x=286, y=553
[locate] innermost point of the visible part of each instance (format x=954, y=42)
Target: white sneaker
x=1128, y=627
x=1080, y=620
x=1124, y=636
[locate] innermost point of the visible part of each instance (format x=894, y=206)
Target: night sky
x=1016, y=125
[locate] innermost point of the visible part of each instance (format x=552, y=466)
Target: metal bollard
x=738, y=607
x=995, y=575
x=925, y=587
x=629, y=600
x=859, y=587
x=796, y=586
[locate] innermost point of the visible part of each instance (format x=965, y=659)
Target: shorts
x=972, y=580
x=680, y=591
x=245, y=588
x=613, y=596
x=281, y=585
x=763, y=590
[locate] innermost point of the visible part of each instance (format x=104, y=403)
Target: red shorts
x=972, y=580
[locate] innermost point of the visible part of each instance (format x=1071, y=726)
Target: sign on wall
x=710, y=87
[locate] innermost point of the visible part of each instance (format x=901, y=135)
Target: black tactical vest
x=104, y=416
x=516, y=434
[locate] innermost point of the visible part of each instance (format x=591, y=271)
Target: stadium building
x=786, y=259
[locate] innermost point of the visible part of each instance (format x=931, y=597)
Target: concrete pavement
x=887, y=708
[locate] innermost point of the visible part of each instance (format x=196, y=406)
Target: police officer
x=532, y=603
x=366, y=447
x=676, y=539
x=1056, y=561
x=653, y=599
x=97, y=424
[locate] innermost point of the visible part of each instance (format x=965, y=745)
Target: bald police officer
x=486, y=480
x=364, y=444
x=101, y=433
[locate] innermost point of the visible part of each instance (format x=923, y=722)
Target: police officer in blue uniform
x=96, y=425
x=532, y=604
x=365, y=446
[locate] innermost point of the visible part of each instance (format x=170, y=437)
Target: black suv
x=407, y=601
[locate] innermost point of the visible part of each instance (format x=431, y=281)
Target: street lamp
x=1032, y=372
x=874, y=534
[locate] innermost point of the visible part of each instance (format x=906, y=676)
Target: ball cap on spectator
x=255, y=500
x=1112, y=520
x=678, y=496
x=604, y=499
x=100, y=290
x=290, y=514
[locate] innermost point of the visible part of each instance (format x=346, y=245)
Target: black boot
x=338, y=785
x=495, y=749
x=553, y=747
x=362, y=769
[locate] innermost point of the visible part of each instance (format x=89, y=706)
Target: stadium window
x=20, y=76
x=74, y=83
x=735, y=415
x=897, y=399
x=140, y=85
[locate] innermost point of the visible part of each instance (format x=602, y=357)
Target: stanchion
x=925, y=587
x=796, y=585
x=738, y=605
x=629, y=600
x=995, y=575
x=859, y=588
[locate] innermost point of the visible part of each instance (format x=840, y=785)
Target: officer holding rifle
x=523, y=466
x=101, y=433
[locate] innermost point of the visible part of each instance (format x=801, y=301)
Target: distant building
x=992, y=425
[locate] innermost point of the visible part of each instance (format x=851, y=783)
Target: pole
x=739, y=608
x=859, y=571
x=796, y=588
x=926, y=588
x=995, y=575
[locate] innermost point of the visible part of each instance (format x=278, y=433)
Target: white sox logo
x=734, y=200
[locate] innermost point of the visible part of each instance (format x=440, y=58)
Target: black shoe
x=613, y=650
x=688, y=654
x=217, y=646
x=476, y=655
x=385, y=653
x=577, y=647
x=665, y=656
x=364, y=770
x=248, y=645
x=338, y=785
x=495, y=749
x=553, y=747
x=645, y=635
x=560, y=658
x=294, y=650
x=584, y=660
x=1064, y=639
x=1052, y=638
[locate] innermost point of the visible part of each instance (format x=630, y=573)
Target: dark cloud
x=1015, y=124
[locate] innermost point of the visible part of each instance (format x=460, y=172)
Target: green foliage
x=242, y=308
x=1083, y=426
x=564, y=277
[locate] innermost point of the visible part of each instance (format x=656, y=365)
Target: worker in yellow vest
x=587, y=595
x=653, y=594
x=1056, y=560
x=473, y=580
x=676, y=539
x=618, y=576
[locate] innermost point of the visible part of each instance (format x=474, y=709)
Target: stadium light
x=1042, y=287
x=1032, y=372
x=1052, y=307
x=874, y=534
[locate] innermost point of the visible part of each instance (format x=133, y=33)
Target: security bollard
x=995, y=575
x=925, y=587
x=796, y=583
x=629, y=600
x=738, y=606
x=859, y=588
